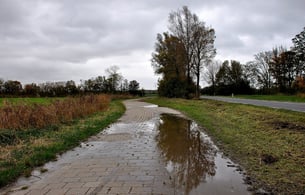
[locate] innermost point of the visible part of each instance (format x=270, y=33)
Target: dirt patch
x=268, y=159
x=287, y=125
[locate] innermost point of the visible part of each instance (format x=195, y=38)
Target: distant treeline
x=114, y=84
x=277, y=71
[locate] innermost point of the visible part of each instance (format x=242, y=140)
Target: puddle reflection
x=189, y=157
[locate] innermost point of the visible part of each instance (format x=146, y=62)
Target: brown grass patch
x=5, y=151
x=21, y=117
x=40, y=142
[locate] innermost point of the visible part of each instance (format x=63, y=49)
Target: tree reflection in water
x=190, y=157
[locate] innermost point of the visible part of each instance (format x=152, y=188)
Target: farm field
x=268, y=143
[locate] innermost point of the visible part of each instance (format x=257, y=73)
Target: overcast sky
x=60, y=40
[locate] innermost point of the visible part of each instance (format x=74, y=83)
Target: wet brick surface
x=120, y=160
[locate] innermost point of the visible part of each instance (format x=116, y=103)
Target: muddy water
x=193, y=161
x=150, y=150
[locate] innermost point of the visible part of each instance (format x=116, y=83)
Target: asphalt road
x=299, y=107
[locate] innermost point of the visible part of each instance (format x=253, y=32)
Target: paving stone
x=90, y=191
x=54, y=186
x=74, y=185
x=89, y=179
x=92, y=184
x=57, y=191
x=77, y=191
x=117, y=190
x=38, y=186
x=140, y=190
x=71, y=179
x=38, y=192
x=114, y=184
x=20, y=192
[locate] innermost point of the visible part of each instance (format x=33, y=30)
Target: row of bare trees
x=181, y=54
x=113, y=83
x=279, y=70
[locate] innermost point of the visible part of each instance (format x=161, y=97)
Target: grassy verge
x=268, y=143
x=36, y=146
x=283, y=98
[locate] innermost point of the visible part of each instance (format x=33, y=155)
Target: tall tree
x=12, y=87
x=260, y=70
x=32, y=89
x=169, y=57
x=71, y=88
x=168, y=60
x=283, y=68
x=210, y=74
x=236, y=72
x=231, y=79
x=125, y=86
x=114, y=78
x=203, y=47
x=181, y=24
x=299, y=49
x=186, y=49
x=133, y=87
x=276, y=67
x=88, y=85
x=288, y=61
x=2, y=88
x=222, y=76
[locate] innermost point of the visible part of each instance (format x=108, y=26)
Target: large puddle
x=193, y=161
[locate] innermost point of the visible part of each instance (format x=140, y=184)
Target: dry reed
x=22, y=117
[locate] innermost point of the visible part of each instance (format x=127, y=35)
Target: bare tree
x=210, y=73
x=197, y=40
x=181, y=24
x=259, y=71
x=114, y=78
x=124, y=85
x=299, y=49
x=204, y=51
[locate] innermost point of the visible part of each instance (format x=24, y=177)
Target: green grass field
x=28, y=100
x=268, y=143
x=284, y=98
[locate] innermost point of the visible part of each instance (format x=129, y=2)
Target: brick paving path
x=123, y=159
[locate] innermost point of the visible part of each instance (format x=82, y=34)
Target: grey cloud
x=65, y=39
x=11, y=13
x=245, y=28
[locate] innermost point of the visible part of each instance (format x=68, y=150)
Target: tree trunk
x=197, y=85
